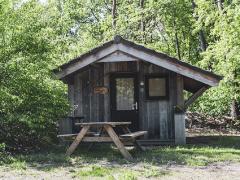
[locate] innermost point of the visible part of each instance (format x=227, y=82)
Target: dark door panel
x=124, y=99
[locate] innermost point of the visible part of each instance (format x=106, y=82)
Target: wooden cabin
x=124, y=81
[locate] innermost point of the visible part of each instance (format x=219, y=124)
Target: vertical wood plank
x=179, y=118
x=85, y=96
x=65, y=126
x=179, y=88
x=80, y=95
x=76, y=94
x=142, y=124
x=71, y=97
x=163, y=120
x=101, y=97
x=106, y=96
x=172, y=103
x=90, y=95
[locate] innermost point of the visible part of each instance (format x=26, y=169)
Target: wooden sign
x=100, y=90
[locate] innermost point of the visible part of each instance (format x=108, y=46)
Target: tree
x=27, y=90
x=222, y=55
x=114, y=6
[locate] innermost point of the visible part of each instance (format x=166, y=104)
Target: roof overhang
x=132, y=52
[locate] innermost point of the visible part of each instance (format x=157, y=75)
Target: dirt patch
x=34, y=173
x=218, y=171
x=201, y=124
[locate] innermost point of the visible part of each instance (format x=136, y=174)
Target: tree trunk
x=219, y=5
x=142, y=24
x=234, y=110
x=177, y=41
x=234, y=104
x=202, y=39
x=177, y=46
x=114, y=5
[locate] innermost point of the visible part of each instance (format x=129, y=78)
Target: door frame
x=114, y=75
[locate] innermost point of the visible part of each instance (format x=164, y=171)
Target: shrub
x=4, y=155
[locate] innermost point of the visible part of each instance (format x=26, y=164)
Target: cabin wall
x=155, y=116
x=89, y=104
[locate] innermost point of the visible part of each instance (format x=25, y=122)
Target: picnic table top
x=102, y=123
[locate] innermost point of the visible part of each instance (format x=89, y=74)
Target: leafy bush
x=4, y=155
x=31, y=101
x=30, y=121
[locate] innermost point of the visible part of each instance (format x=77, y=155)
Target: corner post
x=179, y=115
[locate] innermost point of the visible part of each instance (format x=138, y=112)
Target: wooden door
x=124, y=99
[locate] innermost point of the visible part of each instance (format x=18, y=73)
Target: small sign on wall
x=100, y=90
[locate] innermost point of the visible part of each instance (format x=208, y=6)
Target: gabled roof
x=139, y=52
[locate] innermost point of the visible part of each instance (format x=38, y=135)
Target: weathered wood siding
x=179, y=117
x=90, y=105
x=155, y=116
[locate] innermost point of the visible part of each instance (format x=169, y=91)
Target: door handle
x=135, y=106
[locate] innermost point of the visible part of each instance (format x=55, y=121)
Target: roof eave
x=60, y=73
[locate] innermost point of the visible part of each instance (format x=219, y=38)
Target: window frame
x=152, y=76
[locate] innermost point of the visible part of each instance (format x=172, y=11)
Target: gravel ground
x=218, y=171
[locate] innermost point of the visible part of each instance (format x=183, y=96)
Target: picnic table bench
x=85, y=135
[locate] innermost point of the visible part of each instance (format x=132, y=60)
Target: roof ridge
x=117, y=39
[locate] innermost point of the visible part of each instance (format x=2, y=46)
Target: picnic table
x=106, y=133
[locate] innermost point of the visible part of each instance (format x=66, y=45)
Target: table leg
x=127, y=130
x=78, y=139
x=117, y=142
x=138, y=145
x=91, y=145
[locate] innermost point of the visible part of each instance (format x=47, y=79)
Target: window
x=156, y=87
x=124, y=93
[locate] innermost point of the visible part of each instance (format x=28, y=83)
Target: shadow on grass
x=217, y=149
x=55, y=157
x=216, y=141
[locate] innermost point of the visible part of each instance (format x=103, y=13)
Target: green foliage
x=222, y=55
x=30, y=100
x=5, y=157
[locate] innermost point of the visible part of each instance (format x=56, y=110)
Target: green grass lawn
x=105, y=161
